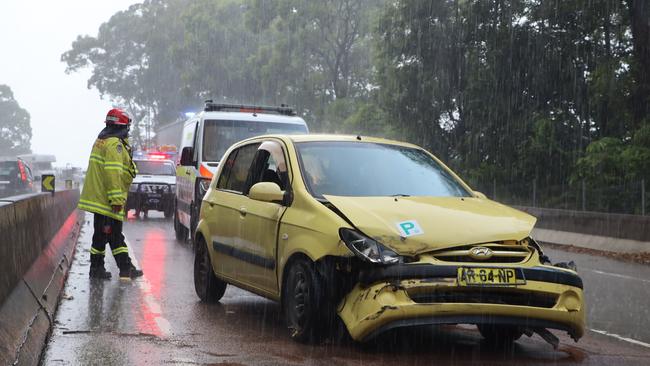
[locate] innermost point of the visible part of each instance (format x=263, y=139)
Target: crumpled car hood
x=413, y=225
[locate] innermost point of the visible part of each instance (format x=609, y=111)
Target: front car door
x=258, y=232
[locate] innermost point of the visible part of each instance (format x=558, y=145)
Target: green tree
x=131, y=60
x=314, y=53
x=15, y=129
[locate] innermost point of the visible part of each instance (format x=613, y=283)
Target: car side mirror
x=187, y=155
x=266, y=192
x=480, y=195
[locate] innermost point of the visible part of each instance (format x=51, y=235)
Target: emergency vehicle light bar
x=283, y=109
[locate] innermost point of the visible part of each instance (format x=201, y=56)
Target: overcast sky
x=65, y=115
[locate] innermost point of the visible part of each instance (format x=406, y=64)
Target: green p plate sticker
x=409, y=228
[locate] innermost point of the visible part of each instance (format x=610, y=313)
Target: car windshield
x=371, y=169
x=219, y=135
x=149, y=167
x=8, y=169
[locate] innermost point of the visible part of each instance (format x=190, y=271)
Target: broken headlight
x=367, y=249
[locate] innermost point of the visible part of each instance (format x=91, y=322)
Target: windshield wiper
x=400, y=195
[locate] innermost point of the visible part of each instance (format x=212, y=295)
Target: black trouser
x=108, y=230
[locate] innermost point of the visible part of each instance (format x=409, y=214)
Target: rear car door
x=223, y=214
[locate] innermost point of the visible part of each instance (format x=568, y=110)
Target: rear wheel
x=179, y=229
x=206, y=284
x=302, y=297
x=500, y=334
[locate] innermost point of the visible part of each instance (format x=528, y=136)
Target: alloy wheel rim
x=300, y=300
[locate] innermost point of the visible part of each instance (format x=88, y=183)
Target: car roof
x=252, y=117
x=343, y=138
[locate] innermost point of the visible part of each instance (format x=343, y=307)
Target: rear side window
x=235, y=171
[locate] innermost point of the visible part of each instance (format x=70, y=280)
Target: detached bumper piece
x=407, y=295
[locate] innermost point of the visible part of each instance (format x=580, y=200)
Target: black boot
x=130, y=272
x=100, y=272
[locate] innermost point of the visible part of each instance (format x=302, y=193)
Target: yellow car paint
x=309, y=228
x=445, y=221
x=367, y=309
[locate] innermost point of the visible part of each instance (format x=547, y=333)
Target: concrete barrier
x=37, y=238
x=594, y=230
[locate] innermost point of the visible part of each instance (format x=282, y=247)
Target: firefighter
x=109, y=175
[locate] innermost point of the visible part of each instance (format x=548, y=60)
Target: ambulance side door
x=186, y=175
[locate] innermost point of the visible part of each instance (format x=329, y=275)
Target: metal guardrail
x=622, y=226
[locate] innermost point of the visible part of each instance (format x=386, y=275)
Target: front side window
x=371, y=169
x=269, y=165
x=219, y=135
x=235, y=170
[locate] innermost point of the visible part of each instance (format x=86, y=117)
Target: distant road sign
x=47, y=183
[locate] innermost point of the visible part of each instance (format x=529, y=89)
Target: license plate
x=477, y=276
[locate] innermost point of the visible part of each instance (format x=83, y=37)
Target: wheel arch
x=294, y=257
x=201, y=233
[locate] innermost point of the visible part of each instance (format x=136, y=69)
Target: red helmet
x=117, y=116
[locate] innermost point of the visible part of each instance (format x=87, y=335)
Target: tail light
x=21, y=168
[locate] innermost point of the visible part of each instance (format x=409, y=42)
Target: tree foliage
x=15, y=129
x=533, y=95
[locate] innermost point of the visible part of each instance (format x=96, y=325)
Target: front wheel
x=206, y=284
x=302, y=297
x=168, y=213
x=194, y=220
x=179, y=229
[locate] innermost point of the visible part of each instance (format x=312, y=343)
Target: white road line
x=151, y=302
x=615, y=275
x=630, y=340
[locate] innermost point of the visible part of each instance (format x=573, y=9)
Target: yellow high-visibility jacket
x=108, y=178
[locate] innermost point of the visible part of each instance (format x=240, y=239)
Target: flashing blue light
x=189, y=114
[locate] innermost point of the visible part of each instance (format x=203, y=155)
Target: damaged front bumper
x=423, y=294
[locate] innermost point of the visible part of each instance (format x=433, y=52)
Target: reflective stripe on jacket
x=108, y=178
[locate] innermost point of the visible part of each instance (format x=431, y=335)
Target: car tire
x=168, y=213
x=208, y=287
x=194, y=220
x=179, y=229
x=302, y=296
x=500, y=334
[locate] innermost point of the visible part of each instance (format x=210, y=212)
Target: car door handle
x=242, y=211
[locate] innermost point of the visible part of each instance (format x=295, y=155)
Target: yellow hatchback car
x=379, y=233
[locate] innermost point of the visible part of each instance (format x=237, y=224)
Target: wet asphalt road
x=158, y=320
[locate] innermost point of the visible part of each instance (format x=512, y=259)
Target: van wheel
x=301, y=302
x=194, y=219
x=179, y=229
x=209, y=288
x=500, y=334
